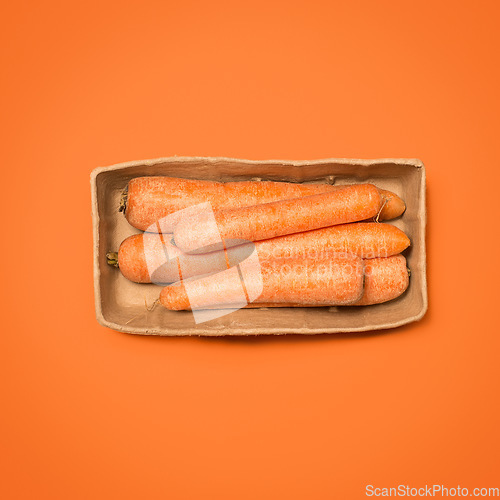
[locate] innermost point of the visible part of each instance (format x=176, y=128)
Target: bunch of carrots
x=266, y=244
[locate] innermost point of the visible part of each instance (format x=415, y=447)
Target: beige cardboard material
x=121, y=305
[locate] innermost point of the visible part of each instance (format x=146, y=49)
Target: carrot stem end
x=112, y=258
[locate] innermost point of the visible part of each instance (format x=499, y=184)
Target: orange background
x=92, y=413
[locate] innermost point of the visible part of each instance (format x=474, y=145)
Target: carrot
x=131, y=259
x=335, y=281
x=393, y=206
x=386, y=279
x=150, y=257
x=365, y=239
x=148, y=199
x=168, y=264
x=199, y=233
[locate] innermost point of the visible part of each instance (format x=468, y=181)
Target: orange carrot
x=386, y=279
x=365, y=239
x=335, y=281
x=131, y=259
x=148, y=199
x=200, y=233
x=393, y=206
x=150, y=257
x=168, y=264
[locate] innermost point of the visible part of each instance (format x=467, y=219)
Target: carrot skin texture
x=385, y=279
x=166, y=262
x=364, y=239
x=149, y=199
x=393, y=207
x=196, y=234
x=143, y=258
x=132, y=261
x=336, y=281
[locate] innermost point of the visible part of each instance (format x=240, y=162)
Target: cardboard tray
x=121, y=305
